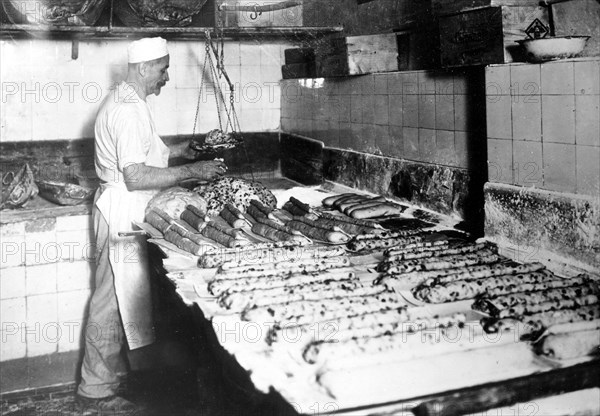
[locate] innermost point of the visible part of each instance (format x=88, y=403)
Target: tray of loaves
x=355, y=302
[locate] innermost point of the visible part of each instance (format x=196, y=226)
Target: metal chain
x=217, y=71
x=217, y=87
x=220, y=40
x=206, y=56
x=228, y=111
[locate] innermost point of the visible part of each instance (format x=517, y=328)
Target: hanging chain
x=206, y=57
x=217, y=87
x=217, y=70
x=219, y=31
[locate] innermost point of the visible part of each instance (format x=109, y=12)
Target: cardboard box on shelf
x=444, y=7
x=356, y=55
x=486, y=36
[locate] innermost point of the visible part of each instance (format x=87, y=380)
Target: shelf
x=39, y=208
x=190, y=33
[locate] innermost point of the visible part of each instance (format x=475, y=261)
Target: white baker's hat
x=147, y=49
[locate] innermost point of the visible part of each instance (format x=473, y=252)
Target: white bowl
x=548, y=49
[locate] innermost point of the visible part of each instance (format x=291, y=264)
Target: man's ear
x=142, y=69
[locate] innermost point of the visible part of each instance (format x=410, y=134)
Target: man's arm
x=138, y=176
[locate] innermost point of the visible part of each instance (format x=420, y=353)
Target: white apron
x=128, y=255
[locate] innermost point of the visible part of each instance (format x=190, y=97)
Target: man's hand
x=207, y=170
x=183, y=150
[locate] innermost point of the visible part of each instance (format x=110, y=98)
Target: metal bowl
x=63, y=193
x=552, y=48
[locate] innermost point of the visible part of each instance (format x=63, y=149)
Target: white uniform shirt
x=125, y=135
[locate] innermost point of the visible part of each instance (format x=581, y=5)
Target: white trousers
x=104, y=338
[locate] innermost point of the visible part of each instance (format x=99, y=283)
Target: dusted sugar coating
x=235, y=191
x=174, y=200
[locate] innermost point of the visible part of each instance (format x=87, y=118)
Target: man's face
x=157, y=75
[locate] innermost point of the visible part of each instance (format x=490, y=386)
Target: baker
x=131, y=160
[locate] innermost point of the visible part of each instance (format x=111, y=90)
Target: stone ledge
x=448, y=190
x=561, y=223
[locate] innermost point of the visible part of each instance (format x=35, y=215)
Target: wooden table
x=187, y=311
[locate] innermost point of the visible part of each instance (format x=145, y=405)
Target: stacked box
x=356, y=55
x=419, y=49
x=299, y=63
x=414, y=13
x=487, y=35
x=444, y=7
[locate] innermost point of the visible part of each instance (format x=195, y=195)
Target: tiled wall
x=45, y=279
x=46, y=269
x=543, y=125
x=427, y=116
x=47, y=95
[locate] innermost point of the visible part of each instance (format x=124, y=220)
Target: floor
x=174, y=385
x=159, y=394
x=156, y=395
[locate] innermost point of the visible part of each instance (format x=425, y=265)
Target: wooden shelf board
x=12, y=30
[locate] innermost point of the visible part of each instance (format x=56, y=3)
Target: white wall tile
x=44, y=128
x=12, y=283
x=16, y=51
x=164, y=109
x=190, y=53
x=185, y=122
x=270, y=120
x=71, y=335
x=13, y=75
x=43, y=340
x=113, y=52
x=41, y=279
x=208, y=120
x=77, y=275
x=72, y=305
x=41, y=310
x=96, y=78
x=45, y=51
x=13, y=311
x=16, y=129
x=231, y=55
x=252, y=120
x=12, y=344
x=185, y=76
x=270, y=54
x=75, y=245
x=17, y=101
x=87, y=80
x=187, y=98
x=271, y=74
x=251, y=74
x=74, y=223
x=41, y=248
x=249, y=54
x=12, y=252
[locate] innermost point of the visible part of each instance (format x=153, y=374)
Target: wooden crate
x=579, y=18
x=290, y=17
x=444, y=7
x=486, y=36
x=299, y=63
x=303, y=70
x=413, y=13
x=356, y=55
x=419, y=49
x=299, y=55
